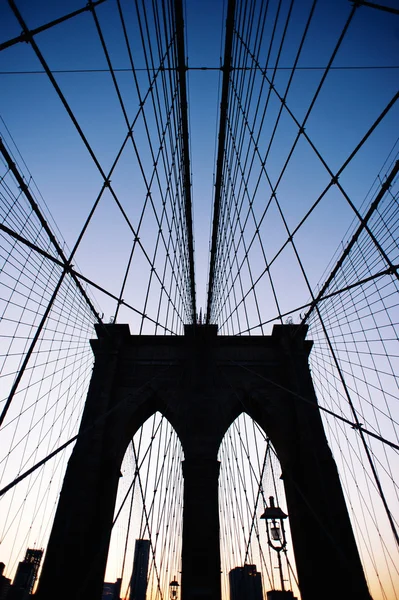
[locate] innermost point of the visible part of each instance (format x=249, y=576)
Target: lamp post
x=173, y=587
x=276, y=539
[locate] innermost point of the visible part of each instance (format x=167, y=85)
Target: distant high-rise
x=280, y=595
x=26, y=575
x=34, y=558
x=138, y=583
x=111, y=591
x=4, y=583
x=245, y=583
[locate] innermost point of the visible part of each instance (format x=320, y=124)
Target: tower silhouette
x=201, y=382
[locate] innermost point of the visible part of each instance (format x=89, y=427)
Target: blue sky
x=68, y=180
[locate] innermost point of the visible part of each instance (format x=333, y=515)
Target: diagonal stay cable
x=355, y=426
x=251, y=130
x=174, y=130
x=66, y=263
x=107, y=182
x=80, y=276
x=311, y=105
x=324, y=192
x=162, y=130
x=363, y=224
x=301, y=131
x=81, y=433
x=295, y=309
x=23, y=37
x=203, y=68
x=25, y=189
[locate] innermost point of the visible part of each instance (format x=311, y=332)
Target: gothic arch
x=246, y=481
x=147, y=508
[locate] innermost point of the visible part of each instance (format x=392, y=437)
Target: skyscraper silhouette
x=245, y=583
x=26, y=575
x=138, y=582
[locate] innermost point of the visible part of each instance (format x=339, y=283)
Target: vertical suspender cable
x=221, y=154
x=182, y=69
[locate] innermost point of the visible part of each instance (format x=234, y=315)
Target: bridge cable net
x=290, y=158
x=296, y=162
x=129, y=249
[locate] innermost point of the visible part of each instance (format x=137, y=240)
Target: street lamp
x=173, y=586
x=276, y=539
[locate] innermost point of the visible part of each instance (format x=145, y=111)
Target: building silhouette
x=26, y=575
x=33, y=557
x=245, y=583
x=111, y=591
x=280, y=595
x=138, y=582
x=4, y=583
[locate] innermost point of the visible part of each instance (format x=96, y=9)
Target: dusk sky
x=348, y=104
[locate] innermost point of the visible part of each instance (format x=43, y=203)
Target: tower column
x=201, y=549
x=326, y=554
x=78, y=545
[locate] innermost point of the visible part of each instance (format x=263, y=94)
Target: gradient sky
x=65, y=175
x=351, y=99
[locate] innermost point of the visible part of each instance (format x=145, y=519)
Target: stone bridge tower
x=201, y=382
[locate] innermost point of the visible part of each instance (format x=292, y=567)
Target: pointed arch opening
x=145, y=546
x=250, y=472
